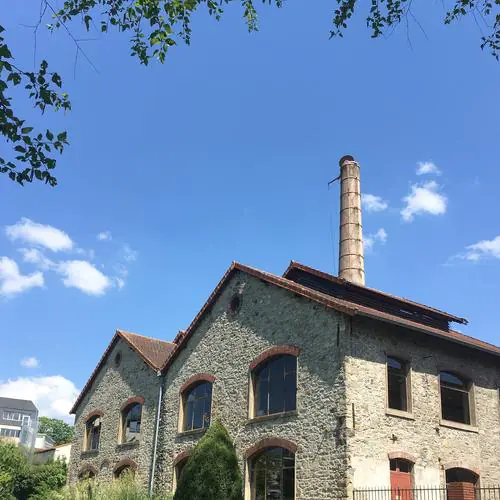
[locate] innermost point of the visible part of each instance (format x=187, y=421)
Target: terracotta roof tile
x=153, y=352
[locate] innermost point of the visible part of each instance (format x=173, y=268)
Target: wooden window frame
x=408, y=369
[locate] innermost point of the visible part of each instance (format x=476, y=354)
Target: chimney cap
x=345, y=158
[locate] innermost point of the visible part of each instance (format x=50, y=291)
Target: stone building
x=325, y=385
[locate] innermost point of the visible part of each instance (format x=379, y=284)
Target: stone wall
x=421, y=434
x=111, y=389
x=224, y=345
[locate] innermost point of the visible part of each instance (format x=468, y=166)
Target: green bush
x=12, y=464
x=38, y=481
x=212, y=471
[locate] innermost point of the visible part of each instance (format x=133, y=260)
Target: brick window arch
x=196, y=402
x=273, y=381
x=271, y=469
x=402, y=455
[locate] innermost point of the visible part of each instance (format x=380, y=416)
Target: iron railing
x=428, y=493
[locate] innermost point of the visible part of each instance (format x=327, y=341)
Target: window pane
x=290, y=391
x=450, y=379
x=272, y=475
x=198, y=406
x=277, y=386
x=455, y=405
x=397, y=384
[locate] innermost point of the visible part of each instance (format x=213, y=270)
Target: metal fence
x=449, y=492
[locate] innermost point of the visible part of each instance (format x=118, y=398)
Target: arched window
x=124, y=471
x=401, y=479
x=125, y=467
x=272, y=475
x=455, y=398
x=196, y=406
x=131, y=422
x=460, y=475
x=87, y=473
x=275, y=385
x=93, y=433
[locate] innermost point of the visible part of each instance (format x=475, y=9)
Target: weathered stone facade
x=342, y=433
x=433, y=444
x=225, y=346
x=111, y=389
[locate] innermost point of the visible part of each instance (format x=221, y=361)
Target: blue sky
x=224, y=153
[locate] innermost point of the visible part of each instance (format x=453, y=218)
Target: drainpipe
x=157, y=428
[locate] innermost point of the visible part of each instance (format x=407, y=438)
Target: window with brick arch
x=93, y=433
x=197, y=406
x=131, y=423
x=124, y=471
x=455, y=398
x=272, y=475
x=275, y=386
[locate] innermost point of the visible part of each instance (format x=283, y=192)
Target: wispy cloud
x=30, y=362
x=370, y=240
x=128, y=254
x=372, y=203
x=53, y=395
x=482, y=250
x=427, y=168
x=30, y=232
x=105, y=236
x=424, y=198
x=35, y=256
x=84, y=276
x=12, y=282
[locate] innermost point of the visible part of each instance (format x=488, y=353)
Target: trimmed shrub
x=212, y=471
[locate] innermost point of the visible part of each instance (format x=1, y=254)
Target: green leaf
x=49, y=135
x=26, y=130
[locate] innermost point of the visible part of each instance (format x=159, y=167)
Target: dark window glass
x=454, y=398
x=131, y=423
x=275, y=383
x=93, y=433
x=400, y=465
x=179, y=468
x=397, y=384
x=197, y=406
x=273, y=475
x=461, y=476
x=125, y=471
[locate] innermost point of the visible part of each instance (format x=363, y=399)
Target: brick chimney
x=351, y=257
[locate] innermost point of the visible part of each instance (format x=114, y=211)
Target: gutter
x=157, y=429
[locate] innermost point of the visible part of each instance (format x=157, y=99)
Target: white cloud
x=370, y=240
x=53, y=395
x=120, y=282
x=424, y=198
x=104, y=236
x=128, y=254
x=30, y=362
x=84, y=276
x=482, y=250
x=35, y=256
x=13, y=282
x=427, y=167
x=372, y=203
x=39, y=234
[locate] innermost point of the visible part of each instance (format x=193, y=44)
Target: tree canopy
x=154, y=27
x=212, y=471
x=58, y=430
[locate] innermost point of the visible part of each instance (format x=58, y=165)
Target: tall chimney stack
x=351, y=258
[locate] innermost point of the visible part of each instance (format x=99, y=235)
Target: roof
x=17, y=404
x=362, y=288
x=154, y=352
x=341, y=305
